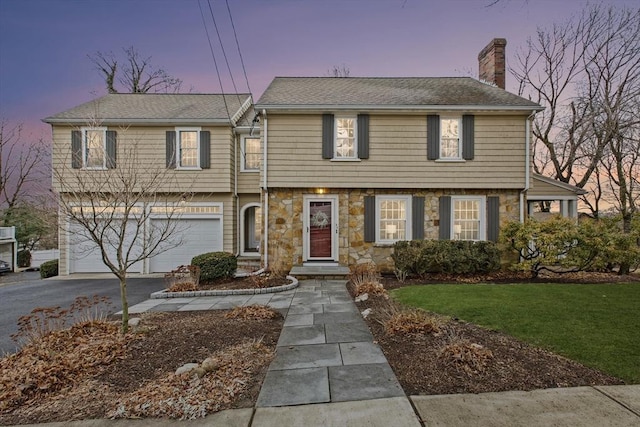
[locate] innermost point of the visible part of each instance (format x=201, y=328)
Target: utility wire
x=204, y=23
x=224, y=53
x=244, y=70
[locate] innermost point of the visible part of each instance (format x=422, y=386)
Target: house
x=217, y=165
x=338, y=170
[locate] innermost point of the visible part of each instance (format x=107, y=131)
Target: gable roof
x=413, y=93
x=545, y=188
x=137, y=108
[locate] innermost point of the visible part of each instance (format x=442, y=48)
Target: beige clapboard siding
x=541, y=188
x=150, y=152
x=397, y=155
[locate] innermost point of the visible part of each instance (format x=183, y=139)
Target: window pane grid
x=393, y=222
x=94, y=146
x=189, y=149
x=450, y=138
x=345, y=138
x=466, y=224
x=252, y=153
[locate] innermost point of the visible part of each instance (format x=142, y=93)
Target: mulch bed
x=164, y=342
x=423, y=368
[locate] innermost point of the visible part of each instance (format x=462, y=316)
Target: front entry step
x=319, y=272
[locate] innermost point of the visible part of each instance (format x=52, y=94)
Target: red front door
x=321, y=224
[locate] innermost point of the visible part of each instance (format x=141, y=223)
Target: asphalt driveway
x=22, y=292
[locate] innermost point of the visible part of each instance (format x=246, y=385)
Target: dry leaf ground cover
x=91, y=371
x=435, y=354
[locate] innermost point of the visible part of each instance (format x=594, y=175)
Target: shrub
x=364, y=273
x=49, y=269
x=413, y=321
x=216, y=265
x=24, y=258
x=182, y=279
x=420, y=257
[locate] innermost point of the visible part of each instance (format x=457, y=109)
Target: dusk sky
x=44, y=44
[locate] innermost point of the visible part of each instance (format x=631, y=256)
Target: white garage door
x=85, y=255
x=198, y=236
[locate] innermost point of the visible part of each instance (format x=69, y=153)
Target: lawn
x=595, y=324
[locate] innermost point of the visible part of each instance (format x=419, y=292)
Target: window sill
x=451, y=161
x=384, y=244
x=188, y=169
x=346, y=160
x=250, y=170
x=100, y=168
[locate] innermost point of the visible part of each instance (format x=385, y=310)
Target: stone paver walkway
x=325, y=352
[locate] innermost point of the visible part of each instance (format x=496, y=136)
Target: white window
x=188, y=148
x=393, y=215
x=94, y=142
x=345, y=138
x=468, y=214
x=450, y=138
x=250, y=151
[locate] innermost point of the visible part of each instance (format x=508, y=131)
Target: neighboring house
x=340, y=169
x=217, y=163
x=8, y=249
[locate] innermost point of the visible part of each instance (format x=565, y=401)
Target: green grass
x=597, y=325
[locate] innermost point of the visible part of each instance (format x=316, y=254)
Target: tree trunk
x=625, y=267
x=125, y=304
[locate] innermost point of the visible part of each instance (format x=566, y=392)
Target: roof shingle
x=380, y=92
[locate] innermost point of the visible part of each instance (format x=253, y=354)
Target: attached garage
x=85, y=255
x=198, y=235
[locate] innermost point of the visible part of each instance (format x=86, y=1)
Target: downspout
x=236, y=143
x=527, y=165
x=265, y=193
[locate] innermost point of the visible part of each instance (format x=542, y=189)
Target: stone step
x=320, y=272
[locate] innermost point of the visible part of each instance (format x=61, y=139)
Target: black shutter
x=205, y=149
x=111, y=149
x=363, y=136
x=369, y=218
x=171, y=149
x=445, y=218
x=433, y=137
x=417, y=218
x=327, y=136
x=76, y=149
x=467, y=137
x=493, y=218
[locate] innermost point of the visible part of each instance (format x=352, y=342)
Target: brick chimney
x=491, y=63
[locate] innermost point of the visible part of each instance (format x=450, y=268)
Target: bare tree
x=338, y=71
x=586, y=72
x=134, y=74
x=111, y=209
x=21, y=164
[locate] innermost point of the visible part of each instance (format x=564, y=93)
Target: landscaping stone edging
x=224, y=292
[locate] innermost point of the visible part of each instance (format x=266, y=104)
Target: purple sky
x=44, y=44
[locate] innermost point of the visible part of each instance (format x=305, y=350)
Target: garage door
x=197, y=235
x=85, y=256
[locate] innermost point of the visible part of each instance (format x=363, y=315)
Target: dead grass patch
x=413, y=321
x=253, y=312
x=462, y=354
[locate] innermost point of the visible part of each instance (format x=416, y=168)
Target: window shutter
x=363, y=136
x=327, y=136
x=369, y=218
x=76, y=149
x=445, y=218
x=417, y=218
x=171, y=149
x=433, y=136
x=111, y=149
x=467, y=137
x=493, y=218
x=205, y=149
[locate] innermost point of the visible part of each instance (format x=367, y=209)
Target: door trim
x=333, y=198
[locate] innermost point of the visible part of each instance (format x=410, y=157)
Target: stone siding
x=285, y=222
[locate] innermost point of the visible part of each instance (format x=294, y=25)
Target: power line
x=204, y=23
x=224, y=53
x=244, y=70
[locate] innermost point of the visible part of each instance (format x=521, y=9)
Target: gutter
x=527, y=162
x=399, y=107
x=264, y=191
